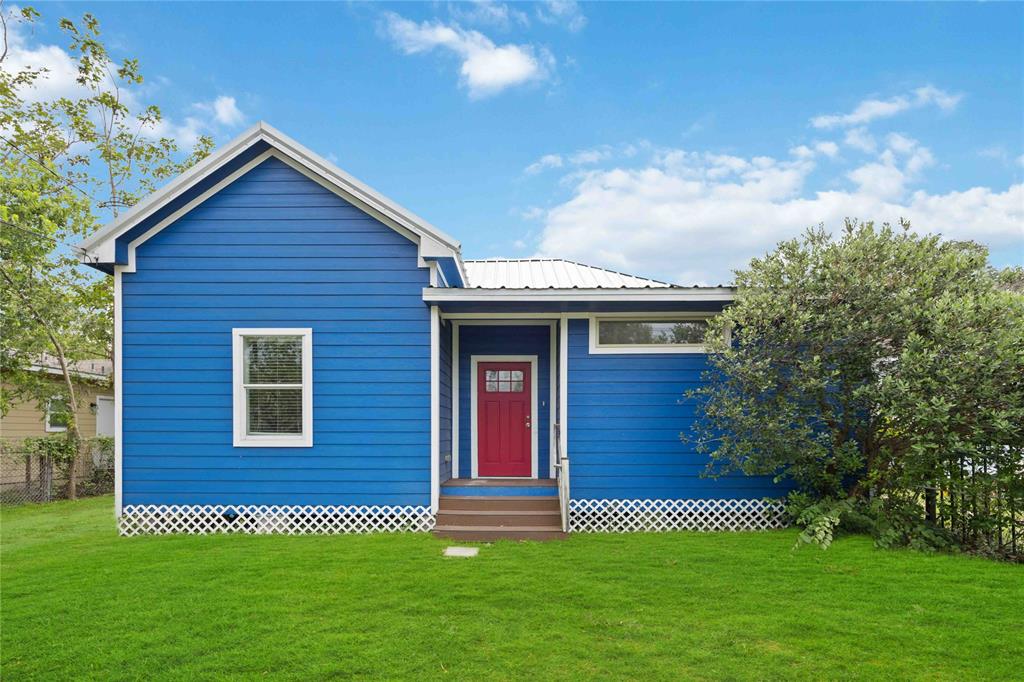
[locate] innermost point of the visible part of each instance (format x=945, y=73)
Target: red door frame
x=504, y=425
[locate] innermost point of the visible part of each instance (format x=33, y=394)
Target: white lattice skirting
x=626, y=516
x=261, y=519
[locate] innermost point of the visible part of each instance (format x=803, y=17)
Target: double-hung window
x=56, y=415
x=273, y=387
x=648, y=334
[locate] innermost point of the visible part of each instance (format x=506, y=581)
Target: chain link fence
x=27, y=477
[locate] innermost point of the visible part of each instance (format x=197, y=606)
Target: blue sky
x=671, y=140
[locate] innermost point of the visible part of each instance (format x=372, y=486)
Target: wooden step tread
x=502, y=512
x=501, y=529
x=491, y=535
x=495, y=498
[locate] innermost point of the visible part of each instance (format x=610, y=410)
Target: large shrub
x=882, y=374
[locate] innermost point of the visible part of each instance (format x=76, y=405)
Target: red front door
x=503, y=419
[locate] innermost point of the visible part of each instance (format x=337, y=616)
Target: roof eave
x=671, y=295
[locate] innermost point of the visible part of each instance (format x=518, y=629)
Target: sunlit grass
x=79, y=601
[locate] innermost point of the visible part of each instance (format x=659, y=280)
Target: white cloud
x=693, y=217
x=486, y=68
x=873, y=109
x=226, y=111
x=860, y=138
x=543, y=163
x=999, y=153
x=489, y=13
x=60, y=80
x=580, y=157
x=829, y=149
x=586, y=157
x=562, y=12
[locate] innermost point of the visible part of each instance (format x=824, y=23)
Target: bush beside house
x=883, y=374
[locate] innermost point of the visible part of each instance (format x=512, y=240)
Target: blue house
x=294, y=352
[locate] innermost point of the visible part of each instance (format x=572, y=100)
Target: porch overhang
x=577, y=300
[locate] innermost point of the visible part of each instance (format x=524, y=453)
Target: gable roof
x=550, y=273
x=114, y=243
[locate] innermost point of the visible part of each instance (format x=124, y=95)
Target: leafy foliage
x=880, y=366
x=65, y=165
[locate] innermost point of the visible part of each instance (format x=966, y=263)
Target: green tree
x=67, y=164
x=869, y=370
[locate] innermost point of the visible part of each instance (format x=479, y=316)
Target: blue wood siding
x=275, y=249
x=626, y=413
x=445, y=413
x=504, y=340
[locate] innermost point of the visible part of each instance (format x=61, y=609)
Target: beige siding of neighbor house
x=26, y=419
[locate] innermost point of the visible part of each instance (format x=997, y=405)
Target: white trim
x=118, y=394
x=474, y=360
x=491, y=319
x=432, y=295
x=46, y=419
x=503, y=322
x=435, y=408
x=455, y=398
x=101, y=246
x=512, y=318
x=643, y=349
x=552, y=388
x=245, y=440
x=563, y=384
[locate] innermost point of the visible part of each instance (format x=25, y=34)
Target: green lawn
x=79, y=601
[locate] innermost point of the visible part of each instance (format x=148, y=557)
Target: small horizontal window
x=653, y=335
x=273, y=387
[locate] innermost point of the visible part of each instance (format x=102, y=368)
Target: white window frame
x=49, y=413
x=241, y=438
x=597, y=348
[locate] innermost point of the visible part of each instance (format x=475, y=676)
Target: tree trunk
x=930, y=504
x=72, y=402
x=73, y=467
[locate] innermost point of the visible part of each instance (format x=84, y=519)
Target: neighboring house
x=19, y=477
x=296, y=352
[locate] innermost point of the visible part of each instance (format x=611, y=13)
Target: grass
x=77, y=601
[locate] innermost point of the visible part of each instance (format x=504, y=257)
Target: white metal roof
x=550, y=273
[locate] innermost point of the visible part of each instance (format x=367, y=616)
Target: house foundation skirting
x=263, y=519
x=625, y=516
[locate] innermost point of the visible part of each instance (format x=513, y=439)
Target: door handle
x=527, y=421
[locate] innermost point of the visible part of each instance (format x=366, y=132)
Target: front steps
x=486, y=510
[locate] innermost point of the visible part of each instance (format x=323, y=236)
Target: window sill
x=274, y=442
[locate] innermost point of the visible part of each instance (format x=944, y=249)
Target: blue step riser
x=502, y=491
